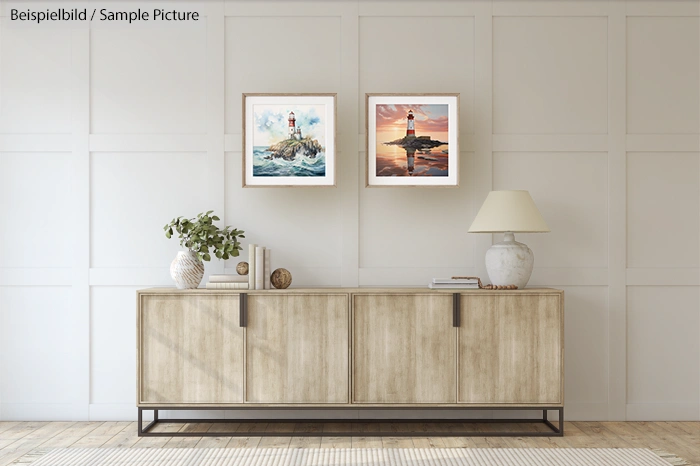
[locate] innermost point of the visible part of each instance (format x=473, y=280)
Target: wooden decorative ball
x=242, y=268
x=281, y=279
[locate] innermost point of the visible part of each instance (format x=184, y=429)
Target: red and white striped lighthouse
x=292, y=125
x=410, y=128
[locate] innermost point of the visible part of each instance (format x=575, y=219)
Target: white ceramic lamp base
x=509, y=262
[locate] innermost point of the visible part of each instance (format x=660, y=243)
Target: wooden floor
x=19, y=438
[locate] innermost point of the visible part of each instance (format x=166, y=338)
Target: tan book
x=251, y=266
x=268, y=269
x=259, y=268
x=227, y=286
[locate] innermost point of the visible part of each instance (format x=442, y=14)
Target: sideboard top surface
x=365, y=290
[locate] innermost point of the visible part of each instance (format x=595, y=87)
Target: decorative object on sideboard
x=251, y=266
x=487, y=287
x=200, y=237
x=267, y=263
x=456, y=283
x=227, y=282
x=281, y=279
x=509, y=212
x=289, y=140
x=260, y=267
x=242, y=268
x=412, y=139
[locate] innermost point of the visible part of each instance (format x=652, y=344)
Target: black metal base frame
x=555, y=431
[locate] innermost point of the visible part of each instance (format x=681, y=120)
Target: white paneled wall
x=594, y=107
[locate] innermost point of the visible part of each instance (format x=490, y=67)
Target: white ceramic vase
x=187, y=270
x=509, y=262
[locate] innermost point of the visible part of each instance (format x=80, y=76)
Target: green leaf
x=215, y=218
x=206, y=257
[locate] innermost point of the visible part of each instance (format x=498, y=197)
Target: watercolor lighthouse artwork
x=412, y=140
x=277, y=151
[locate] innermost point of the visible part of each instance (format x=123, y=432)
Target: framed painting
x=289, y=140
x=412, y=139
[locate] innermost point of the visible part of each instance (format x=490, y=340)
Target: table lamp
x=509, y=212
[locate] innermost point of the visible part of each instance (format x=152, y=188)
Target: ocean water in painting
x=265, y=165
x=397, y=161
x=289, y=140
x=412, y=140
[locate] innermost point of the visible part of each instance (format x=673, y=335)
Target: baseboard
x=663, y=412
x=43, y=412
x=574, y=411
x=115, y=412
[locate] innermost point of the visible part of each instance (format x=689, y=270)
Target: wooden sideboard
x=350, y=348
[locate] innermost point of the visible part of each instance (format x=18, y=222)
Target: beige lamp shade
x=513, y=211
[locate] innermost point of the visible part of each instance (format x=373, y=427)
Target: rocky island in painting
x=288, y=141
x=412, y=154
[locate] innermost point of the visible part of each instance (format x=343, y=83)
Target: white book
x=260, y=268
x=227, y=286
x=455, y=286
x=268, y=269
x=251, y=266
x=228, y=278
x=455, y=280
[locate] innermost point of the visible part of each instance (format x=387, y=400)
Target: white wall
x=593, y=106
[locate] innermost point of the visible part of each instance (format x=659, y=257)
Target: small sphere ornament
x=281, y=279
x=242, y=268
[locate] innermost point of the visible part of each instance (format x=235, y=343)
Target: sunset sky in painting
x=430, y=120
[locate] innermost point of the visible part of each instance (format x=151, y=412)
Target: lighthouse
x=410, y=128
x=292, y=125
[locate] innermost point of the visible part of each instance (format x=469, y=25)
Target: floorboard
x=20, y=438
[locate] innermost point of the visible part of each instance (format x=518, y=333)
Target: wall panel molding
x=663, y=276
x=30, y=276
x=148, y=142
x=663, y=7
x=663, y=143
x=214, y=146
x=547, y=8
x=36, y=143
x=550, y=143
x=80, y=97
x=617, y=205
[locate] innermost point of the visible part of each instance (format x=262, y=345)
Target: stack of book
x=228, y=282
x=454, y=283
x=259, y=269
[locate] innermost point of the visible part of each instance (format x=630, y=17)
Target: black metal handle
x=455, y=309
x=243, y=309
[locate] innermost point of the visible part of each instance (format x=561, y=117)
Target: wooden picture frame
x=284, y=148
x=425, y=127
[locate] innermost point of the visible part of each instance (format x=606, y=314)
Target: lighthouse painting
x=289, y=140
x=412, y=140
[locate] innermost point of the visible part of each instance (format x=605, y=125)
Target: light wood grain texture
x=191, y=349
x=511, y=349
x=679, y=438
x=403, y=349
x=297, y=349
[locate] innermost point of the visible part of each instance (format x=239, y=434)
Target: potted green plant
x=201, y=238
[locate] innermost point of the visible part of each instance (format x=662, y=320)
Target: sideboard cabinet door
x=511, y=349
x=297, y=348
x=404, y=349
x=191, y=349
